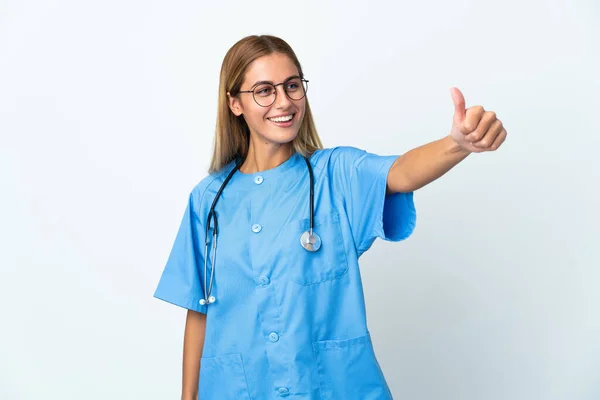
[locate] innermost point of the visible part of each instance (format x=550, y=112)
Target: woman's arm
x=473, y=130
x=420, y=166
x=193, y=342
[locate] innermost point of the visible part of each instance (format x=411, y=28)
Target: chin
x=282, y=141
x=282, y=137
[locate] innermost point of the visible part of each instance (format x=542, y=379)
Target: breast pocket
x=327, y=263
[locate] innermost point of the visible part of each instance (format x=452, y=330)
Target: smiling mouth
x=285, y=118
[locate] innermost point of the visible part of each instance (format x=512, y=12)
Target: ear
x=234, y=105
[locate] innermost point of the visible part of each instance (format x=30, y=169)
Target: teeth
x=282, y=119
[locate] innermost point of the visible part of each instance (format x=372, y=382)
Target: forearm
x=193, y=342
x=422, y=165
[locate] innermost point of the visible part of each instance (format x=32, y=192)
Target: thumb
x=459, y=105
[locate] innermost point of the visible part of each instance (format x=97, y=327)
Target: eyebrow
x=271, y=82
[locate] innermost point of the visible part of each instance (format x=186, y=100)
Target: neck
x=265, y=156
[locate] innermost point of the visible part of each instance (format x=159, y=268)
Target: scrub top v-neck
x=288, y=322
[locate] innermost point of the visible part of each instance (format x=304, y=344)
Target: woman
x=278, y=310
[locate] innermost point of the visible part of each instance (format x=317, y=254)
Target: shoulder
x=209, y=184
x=347, y=163
x=336, y=156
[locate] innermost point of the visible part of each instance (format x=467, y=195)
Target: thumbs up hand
x=475, y=129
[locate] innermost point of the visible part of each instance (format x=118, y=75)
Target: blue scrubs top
x=288, y=322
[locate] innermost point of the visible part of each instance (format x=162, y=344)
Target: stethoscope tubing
x=212, y=218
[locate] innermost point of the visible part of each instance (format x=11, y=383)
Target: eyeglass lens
x=265, y=94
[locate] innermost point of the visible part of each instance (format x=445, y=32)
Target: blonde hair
x=232, y=135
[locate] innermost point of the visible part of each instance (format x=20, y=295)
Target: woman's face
x=274, y=68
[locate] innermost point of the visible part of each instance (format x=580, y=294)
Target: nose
x=281, y=100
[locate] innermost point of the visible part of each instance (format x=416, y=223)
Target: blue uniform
x=288, y=322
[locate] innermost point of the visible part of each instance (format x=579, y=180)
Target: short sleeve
x=371, y=212
x=180, y=282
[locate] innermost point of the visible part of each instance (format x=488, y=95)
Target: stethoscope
x=310, y=240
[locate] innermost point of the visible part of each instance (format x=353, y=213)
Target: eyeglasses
x=264, y=94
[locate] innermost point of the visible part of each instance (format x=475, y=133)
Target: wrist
x=454, y=146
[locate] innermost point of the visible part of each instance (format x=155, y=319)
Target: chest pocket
x=327, y=263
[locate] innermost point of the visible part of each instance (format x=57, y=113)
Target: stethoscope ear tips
x=311, y=242
x=204, y=302
x=211, y=300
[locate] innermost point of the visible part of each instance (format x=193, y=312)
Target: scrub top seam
x=207, y=186
x=379, y=222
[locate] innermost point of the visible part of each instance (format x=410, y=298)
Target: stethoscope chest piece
x=310, y=241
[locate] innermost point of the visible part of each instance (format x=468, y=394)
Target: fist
x=475, y=129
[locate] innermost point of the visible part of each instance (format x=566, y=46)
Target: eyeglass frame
x=275, y=86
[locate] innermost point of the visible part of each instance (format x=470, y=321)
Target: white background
x=107, y=115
